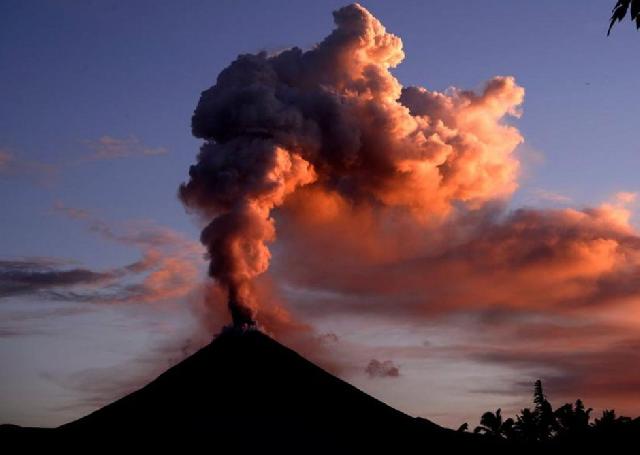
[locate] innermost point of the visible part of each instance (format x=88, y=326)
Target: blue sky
x=73, y=72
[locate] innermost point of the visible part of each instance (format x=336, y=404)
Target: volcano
x=246, y=391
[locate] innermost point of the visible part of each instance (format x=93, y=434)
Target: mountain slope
x=245, y=390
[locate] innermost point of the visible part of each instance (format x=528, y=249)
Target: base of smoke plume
x=238, y=330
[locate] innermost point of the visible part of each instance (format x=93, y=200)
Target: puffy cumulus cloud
x=335, y=120
x=384, y=369
x=479, y=164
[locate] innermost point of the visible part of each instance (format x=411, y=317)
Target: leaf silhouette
x=620, y=11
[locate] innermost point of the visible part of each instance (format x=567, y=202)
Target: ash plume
x=333, y=121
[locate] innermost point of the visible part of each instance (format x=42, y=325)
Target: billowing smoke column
x=335, y=119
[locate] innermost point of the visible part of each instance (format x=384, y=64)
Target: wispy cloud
x=29, y=276
x=550, y=196
x=12, y=165
x=109, y=147
x=168, y=268
x=577, y=356
x=96, y=387
x=5, y=160
x=15, y=166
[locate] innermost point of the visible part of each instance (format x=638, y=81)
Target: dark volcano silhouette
x=247, y=392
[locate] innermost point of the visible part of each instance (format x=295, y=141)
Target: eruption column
x=336, y=119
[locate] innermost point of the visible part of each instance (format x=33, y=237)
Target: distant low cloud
x=384, y=369
x=31, y=276
x=109, y=147
x=35, y=320
x=12, y=165
x=625, y=197
x=576, y=356
x=15, y=332
x=550, y=196
x=5, y=160
x=328, y=338
x=168, y=267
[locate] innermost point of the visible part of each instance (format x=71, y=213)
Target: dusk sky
x=442, y=300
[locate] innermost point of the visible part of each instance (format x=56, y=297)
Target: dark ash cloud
x=384, y=369
x=34, y=276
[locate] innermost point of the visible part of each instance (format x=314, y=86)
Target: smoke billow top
x=335, y=119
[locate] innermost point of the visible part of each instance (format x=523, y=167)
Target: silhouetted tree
x=572, y=419
x=610, y=421
x=538, y=424
x=620, y=11
x=464, y=427
x=526, y=426
x=567, y=428
x=543, y=413
x=492, y=425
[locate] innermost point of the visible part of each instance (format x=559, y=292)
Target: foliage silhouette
x=572, y=419
x=620, y=11
x=568, y=427
x=610, y=421
x=526, y=426
x=492, y=425
x=543, y=414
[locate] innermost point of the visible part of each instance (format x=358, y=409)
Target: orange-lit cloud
x=559, y=288
x=335, y=120
x=576, y=356
x=361, y=196
x=554, y=259
x=169, y=267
